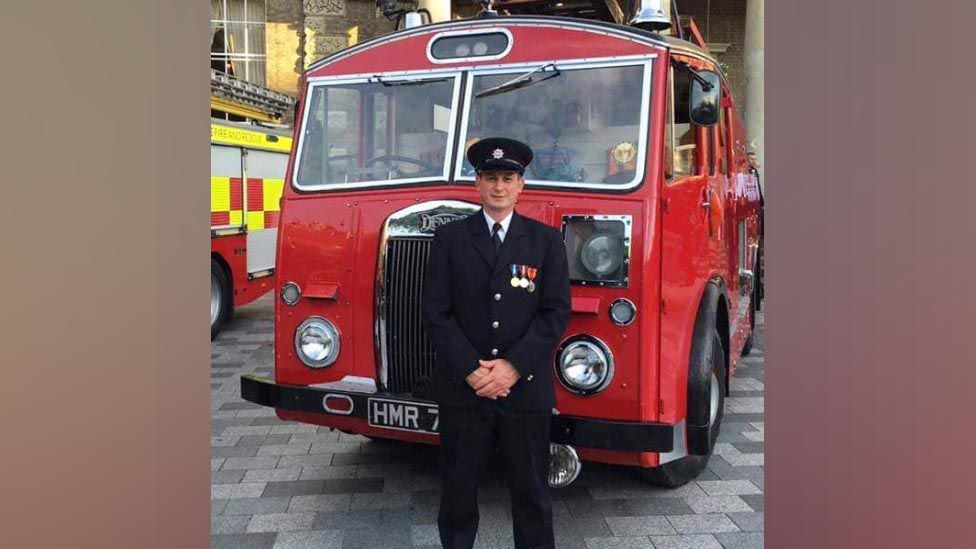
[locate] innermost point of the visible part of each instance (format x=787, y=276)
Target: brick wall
x=284, y=42
x=300, y=32
x=723, y=22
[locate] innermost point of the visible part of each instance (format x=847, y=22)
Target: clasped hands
x=493, y=378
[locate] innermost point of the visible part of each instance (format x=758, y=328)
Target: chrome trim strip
x=331, y=410
x=680, y=445
x=450, y=71
x=352, y=384
x=407, y=222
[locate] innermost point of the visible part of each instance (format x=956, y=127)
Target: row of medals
x=523, y=276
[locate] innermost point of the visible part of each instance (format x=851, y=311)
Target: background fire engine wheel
x=220, y=298
x=683, y=470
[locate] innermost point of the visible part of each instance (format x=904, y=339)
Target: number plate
x=403, y=415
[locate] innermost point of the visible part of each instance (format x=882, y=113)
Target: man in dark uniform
x=496, y=303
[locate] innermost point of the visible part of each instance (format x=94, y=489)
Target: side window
x=685, y=134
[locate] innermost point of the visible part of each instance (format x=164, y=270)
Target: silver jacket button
x=494, y=352
x=498, y=297
x=529, y=378
x=494, y=324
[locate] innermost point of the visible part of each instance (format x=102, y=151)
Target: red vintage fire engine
x=639, y=160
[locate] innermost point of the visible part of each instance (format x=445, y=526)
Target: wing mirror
x=706, y=96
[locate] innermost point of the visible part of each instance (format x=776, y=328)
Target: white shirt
x=491, y=225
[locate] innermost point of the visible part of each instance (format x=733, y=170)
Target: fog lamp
x=564, y=465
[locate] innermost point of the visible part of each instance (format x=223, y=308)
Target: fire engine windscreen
x=573, y=122
x=376, y=131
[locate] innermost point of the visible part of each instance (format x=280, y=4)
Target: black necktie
x=495, y=239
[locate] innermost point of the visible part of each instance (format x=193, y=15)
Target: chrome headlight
x=584, y=365
x=602, y=254
x=598, y=248
x=317, y=342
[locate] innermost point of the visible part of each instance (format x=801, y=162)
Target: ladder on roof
x=690, y=32
x=232, y=95
x=610, y=11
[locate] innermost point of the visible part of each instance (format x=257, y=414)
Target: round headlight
x=602, y=254
x=290, y=293
x=585, y=365
x=622, y=312
x=462, y=50
x=480, y=48
x=317, y=342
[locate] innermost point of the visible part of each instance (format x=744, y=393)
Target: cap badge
x=498, y=153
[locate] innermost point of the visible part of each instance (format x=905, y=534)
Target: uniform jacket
x=468, y=289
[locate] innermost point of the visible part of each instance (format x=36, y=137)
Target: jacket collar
x=482, y=241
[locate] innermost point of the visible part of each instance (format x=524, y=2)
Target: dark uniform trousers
x=468, y=435
x=472, y=312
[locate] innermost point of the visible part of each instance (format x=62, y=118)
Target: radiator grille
x=410, y=355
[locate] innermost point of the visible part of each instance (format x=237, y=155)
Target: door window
x=684, y=134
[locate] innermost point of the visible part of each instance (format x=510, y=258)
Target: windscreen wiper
x=410, y=82
x=521, y=81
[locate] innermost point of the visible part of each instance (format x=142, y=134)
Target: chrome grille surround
x=405, y=356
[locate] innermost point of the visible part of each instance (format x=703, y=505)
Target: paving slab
x=290, y=485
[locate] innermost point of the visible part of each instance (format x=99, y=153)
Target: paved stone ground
x=282, y=484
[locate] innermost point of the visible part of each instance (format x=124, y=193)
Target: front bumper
x=602, y=434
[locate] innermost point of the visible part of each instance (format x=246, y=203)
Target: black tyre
x=747, y=346
x=685, y=469
x=221, y=300
x=758, y=291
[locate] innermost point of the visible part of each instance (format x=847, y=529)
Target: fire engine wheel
x=685, y=469
x=220, y=298
x=747, y=346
